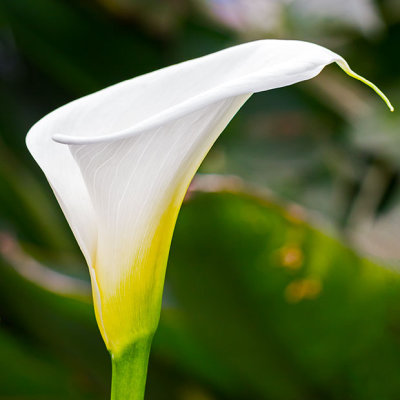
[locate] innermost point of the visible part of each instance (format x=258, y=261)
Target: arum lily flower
x=120, y=160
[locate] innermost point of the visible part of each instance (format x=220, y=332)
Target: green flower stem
x=129, y=371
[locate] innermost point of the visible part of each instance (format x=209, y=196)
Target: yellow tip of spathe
x=346, y=68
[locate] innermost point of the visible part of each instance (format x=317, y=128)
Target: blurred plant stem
x=129, y=370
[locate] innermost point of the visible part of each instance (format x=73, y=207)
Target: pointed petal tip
x=346, y=68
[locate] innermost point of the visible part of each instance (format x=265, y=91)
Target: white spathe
x=120, y=160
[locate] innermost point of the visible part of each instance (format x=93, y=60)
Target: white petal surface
x=150, y=100
x=146, y=103
x=133, y=181
x=66, y=181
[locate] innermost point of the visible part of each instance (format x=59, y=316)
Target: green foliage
x=288, y=312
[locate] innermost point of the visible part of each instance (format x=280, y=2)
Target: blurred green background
x=259, y=302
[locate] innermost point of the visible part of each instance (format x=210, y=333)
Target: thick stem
x=129, y=371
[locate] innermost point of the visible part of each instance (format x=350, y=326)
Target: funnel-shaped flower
x=120, y=160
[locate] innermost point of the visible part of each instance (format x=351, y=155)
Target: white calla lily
x=120, y=161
